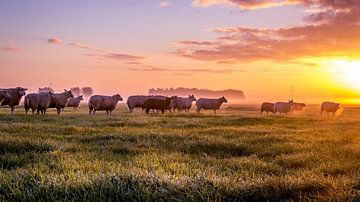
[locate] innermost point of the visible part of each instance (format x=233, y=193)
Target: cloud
x=133, y=59
x=281, y=44
x=182, y=71
x=332, y=7
x=197, y=43
x=243, y=4
x=85, y=46
x=133, y=63
x=124, y=57
x=98, y=54
x=165, y=4
x=331, y=32
x=55, y=40
x=11, y=48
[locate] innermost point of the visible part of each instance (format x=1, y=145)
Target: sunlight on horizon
x=349, y=71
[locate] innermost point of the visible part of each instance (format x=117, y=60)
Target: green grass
x=235, y=155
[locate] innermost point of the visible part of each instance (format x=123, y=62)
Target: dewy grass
x=234, y=155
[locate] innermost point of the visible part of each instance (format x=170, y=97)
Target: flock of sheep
x=42, y=101
x=286, y=107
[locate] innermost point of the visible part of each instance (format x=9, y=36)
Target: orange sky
x=266, y=48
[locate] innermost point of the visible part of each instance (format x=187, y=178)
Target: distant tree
x=87, y=92
x=76, y=91
x=181, y=91
x=45, y=89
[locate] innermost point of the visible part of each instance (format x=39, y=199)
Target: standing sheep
x=330, y=107
x=136, y=101
x=74, y=102
x=37, y=101
x=44, y=102
x=103, y=103
x=298, y=107
x=14, y=98
x=283, y=107
x=205, y=103
x=267, y=107
x=31, y=102
x=184, y=103
x=3, y=94
x=59, y=100
x=158, y=104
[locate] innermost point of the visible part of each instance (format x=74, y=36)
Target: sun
x=349, y=72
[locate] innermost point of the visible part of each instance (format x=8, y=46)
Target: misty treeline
x=76, y=91
x=228, y=93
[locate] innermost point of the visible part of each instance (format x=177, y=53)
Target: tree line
x=181, y=91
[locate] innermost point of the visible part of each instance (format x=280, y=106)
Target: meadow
x=234, y=155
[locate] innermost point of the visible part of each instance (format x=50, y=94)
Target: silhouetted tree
x=45, y=89
x=76, y=91
x=87, y=92
x=181, y=91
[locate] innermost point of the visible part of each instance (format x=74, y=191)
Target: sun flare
x=349, y=72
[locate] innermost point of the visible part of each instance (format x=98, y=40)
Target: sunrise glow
x=261, y=47
x=350, y=71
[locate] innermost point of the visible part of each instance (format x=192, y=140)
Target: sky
x=273, y=50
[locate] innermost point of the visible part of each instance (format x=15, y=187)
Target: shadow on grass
x=219, y=150
x=125, y=144
x=151, y=188
x=23, y=146
x=19, y=153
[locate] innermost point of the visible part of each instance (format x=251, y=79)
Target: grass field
x=236, y=154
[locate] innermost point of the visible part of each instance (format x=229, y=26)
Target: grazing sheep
x=14, y=98
x=184, y=103
x=214, y=104
x=74, y=102
x=283, y=107
x=330, y=107
x=59, y=100
x=103, y=103
x=158, y=104
x=267, y=107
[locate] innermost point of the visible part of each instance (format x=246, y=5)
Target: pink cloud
x=133, y=59
x=331, y=32
x=125, y=57
x=197, y=43
x=165, y=4
x=282, y=44
x=85, y=46
x=55, y=41
x=11, y=48
x=243, y=4
x=184, y=70
x=102, y=55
